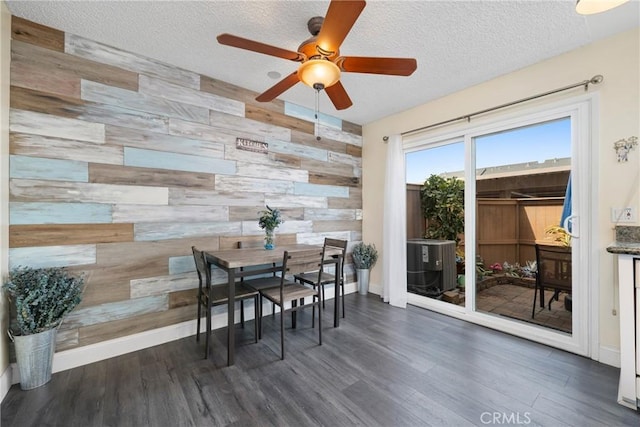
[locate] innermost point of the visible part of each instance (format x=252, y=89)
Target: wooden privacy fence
x=507, y=229
x=415, y=220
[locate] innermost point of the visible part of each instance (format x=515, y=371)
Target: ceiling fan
x=321, y=63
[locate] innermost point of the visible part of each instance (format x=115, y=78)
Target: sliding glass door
x=435, y=236
x=520, y=258
x=521, y=180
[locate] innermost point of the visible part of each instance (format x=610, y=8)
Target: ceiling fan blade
x=242, y=43
x=373, y=65
x=340, y=17
x=338, y=95
x=274, y=91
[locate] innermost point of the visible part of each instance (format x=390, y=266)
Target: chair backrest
x=554, y=266
x=337, y=244
x=300, y=261
x=204, y=274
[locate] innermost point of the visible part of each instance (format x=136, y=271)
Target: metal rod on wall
x=597, y=79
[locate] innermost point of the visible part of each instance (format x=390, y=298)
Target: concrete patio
x=515, y=301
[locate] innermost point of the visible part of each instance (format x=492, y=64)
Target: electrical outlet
x=627, y=214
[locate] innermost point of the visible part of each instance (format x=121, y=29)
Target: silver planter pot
x=363, y=281
x=34, y=356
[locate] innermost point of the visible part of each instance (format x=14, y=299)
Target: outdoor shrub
x=443, y=207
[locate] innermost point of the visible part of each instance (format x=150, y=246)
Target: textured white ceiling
x=457, y=43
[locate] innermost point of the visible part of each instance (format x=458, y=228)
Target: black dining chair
x=311, y=278
x=554, y=272
x=210, y=295
x=289, y=293
x=261, y=283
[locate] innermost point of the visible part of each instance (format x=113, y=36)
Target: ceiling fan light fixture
x=590, y=7
x=319, y=71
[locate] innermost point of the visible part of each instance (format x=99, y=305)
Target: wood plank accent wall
x=120, y=163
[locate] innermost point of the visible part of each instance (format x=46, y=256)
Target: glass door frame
x=582, y=110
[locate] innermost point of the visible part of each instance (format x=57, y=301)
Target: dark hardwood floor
x=383, y=366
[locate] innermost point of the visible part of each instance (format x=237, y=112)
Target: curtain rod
x=597, y=79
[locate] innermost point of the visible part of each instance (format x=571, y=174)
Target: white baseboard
x=374, y=288
x=610, y=356
x=80, y=356
x=349, y=288
x=5, y=382
x=91, y=353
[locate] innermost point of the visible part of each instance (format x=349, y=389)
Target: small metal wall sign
x=250, y=145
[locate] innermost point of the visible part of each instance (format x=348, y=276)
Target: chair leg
x=294, y=304
x=342, y=289
x=315, y=300
x=281, y=332
x=319, y=324
x=208, y=333
x=260, y=314
x=535, y=295
x=322, y=290
x=556, y=296
x=199, y=318
x=242, y=313
x=256, y=318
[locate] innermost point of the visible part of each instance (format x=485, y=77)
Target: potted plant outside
x=269, y=220
x=40, y=298
x=559, y=235
x=364, y=258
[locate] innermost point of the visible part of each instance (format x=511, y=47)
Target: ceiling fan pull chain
x=317, y=115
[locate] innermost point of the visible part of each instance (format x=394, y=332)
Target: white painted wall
x=618, y=60
x=5, y=58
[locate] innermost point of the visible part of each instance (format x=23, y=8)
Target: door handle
x=569, y=224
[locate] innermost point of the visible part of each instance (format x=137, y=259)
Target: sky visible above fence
x=531, y=144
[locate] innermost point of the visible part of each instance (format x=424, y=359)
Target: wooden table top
x=236, y=258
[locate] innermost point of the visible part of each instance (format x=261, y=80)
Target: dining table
x=235, y=261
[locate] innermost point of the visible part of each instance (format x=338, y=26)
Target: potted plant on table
x=269, y=220
x=40, y=297
x=559, y=235
x=364, y=258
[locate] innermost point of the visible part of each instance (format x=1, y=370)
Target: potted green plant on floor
x=270, y=219
x=40, y=299
x=364, y=258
